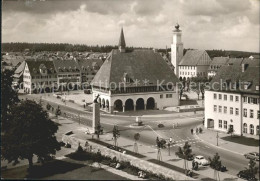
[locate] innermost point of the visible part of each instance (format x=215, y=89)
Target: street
x=234, y=162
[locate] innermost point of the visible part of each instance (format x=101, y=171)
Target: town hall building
x=135, y=80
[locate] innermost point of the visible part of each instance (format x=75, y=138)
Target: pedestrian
x=191, y=131
x=197, y=130
x=84, y=106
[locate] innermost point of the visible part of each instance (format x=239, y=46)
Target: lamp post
x=217, y=138
x=169, y=145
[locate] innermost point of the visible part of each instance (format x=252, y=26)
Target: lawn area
x=242, y=140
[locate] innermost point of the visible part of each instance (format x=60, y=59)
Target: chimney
x=244, y=67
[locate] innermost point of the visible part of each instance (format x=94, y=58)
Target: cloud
x=206, y=24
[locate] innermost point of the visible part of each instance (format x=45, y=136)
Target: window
x=215, y=96
x=245, y=99
x=219, y=96
x=258, y=114
x=254, y=100
x=231, y=110
x=237, y=111
x=251, y=113
x=225, y=109
x=251, y=129
x=161, y=96
x=220, y=109
x=244, y=128
x=237, y=98
x=257, y=87
x=168, y=95
x=225, y=97
x=225, y=124
x=220, y=123
x=215, y=108
x=231, y=98
x=245, y=112
x=257, y=129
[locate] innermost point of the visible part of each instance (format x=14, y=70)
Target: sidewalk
x=243, y=144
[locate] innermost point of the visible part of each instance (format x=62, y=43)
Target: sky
x=205, y=24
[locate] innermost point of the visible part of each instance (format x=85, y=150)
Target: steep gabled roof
x=195, y=58
x=139, y=65
x=34, y=66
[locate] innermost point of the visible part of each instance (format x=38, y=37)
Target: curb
x=217, y=146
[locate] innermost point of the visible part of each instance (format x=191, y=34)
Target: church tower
x=176, y=49
x=121, y=44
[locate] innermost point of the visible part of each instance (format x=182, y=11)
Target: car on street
x=252, y=155
x=201, y=160
x=245, y=175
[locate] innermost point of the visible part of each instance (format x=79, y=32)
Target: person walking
x=191, y=131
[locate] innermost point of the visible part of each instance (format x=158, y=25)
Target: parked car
x=245, y=175
x=191, y=157
x=252, y=155
x=201, y=160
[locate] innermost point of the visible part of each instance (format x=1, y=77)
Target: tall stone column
x=96, y=117
x=134, y=107
x=123, y=108
x=144, y=106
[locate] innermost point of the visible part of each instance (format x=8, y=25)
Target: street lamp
x=169, y=145
x=217, y=138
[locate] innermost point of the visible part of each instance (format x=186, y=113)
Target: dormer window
x=257, y=87
x=127, y=79
x=247, y=85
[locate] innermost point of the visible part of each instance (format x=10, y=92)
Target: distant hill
x=37, y=47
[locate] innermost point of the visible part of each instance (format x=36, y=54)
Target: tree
x=31, y=132
x=116, y=134
x=252, y=169
x=215, y=163
x=136, y=137
x=9, y=97
x=230, y=131
x=185, y=153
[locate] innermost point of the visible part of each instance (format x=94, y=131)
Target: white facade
x=176, y=51
x=225, y=109
x=43, y=80
x=159, y=100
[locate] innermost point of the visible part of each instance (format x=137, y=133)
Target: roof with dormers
x=35, y=65
x=195, y=58
x=87, y=65
x=232, y=73
x=143, y=66
x=66, y=65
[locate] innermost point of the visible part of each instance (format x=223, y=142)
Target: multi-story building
x=89, y=68
x=135, y=80
x=215, y=64
x=68, y=73
x=233, y=98
x=195, y=63
x=39, y=76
